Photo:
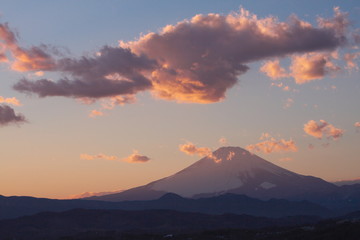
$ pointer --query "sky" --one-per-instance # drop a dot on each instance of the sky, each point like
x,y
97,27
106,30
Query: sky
x,y
107,95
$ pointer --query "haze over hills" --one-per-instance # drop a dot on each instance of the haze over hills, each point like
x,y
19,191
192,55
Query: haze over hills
x,y
235,171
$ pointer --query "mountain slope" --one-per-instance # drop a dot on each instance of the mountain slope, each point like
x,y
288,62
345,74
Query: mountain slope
x,y
236,171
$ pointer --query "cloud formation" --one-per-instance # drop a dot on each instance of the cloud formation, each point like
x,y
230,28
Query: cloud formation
x,y
271,145
135,157
14,101
191,149
24,59
357,125
112,72
273,69
8,116
195,60
322,128
95,113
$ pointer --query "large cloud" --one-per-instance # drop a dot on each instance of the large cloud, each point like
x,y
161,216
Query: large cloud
x,y
8,116
113,71
322,128
196,60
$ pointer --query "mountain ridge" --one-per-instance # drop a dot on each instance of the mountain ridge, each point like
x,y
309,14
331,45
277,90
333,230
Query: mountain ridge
x,y
235,171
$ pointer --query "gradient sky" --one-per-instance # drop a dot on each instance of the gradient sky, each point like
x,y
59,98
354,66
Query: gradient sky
x,y
61,150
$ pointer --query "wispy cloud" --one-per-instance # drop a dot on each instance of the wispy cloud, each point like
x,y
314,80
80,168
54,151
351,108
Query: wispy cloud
x,y
8,116
135,157
357,126
271,145
85,156
322,129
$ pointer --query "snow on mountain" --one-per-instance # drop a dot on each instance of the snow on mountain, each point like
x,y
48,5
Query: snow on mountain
x,y
234,171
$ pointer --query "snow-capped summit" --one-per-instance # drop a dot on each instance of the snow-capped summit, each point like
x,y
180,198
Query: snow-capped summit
x,y
229,170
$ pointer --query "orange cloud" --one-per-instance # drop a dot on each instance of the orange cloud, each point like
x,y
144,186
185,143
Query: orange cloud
x,y
191,149
14,101
135,157
273,69
323,128
357,125
32,59
95,113
311,66
272,145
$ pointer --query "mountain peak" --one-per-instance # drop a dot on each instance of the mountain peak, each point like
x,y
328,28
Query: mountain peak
x,y
232,170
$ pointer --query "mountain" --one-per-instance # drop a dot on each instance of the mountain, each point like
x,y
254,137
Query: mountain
x,y
95,223
12,207
347,182
235,171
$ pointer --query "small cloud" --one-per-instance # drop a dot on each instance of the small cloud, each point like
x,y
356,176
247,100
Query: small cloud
x,y
8,116
273,70
14,101
95,113
85,156
285,159
271,145
350,60
39,73
191,149
135,157
311,66
323,128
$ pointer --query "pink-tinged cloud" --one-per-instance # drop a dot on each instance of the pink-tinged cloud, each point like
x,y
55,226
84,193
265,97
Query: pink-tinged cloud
x,y
285,159
14,101
24,59
273,69
350,59
322,129
195,60
8,116
312,66
95,113
90,76
135,157
271,145
110,103
85,156
191,149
